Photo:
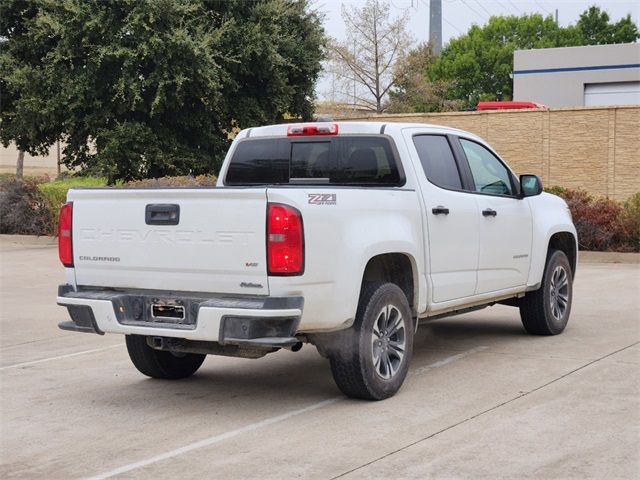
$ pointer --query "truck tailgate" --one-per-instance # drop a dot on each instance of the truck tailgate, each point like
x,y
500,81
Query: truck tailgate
x,y
218,244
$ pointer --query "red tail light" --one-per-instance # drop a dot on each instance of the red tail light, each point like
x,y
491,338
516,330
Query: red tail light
x,y
319,129
285,240
65,241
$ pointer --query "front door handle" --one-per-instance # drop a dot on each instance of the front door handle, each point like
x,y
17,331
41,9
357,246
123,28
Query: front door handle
x,y
489,212
440,210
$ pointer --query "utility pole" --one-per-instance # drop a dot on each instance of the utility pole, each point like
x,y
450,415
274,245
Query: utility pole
x,y
435,26
556,16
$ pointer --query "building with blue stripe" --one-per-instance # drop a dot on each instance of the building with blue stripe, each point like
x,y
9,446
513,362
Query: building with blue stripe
x,y
578,76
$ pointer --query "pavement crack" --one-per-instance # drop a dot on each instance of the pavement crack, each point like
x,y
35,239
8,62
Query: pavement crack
x,y
479,414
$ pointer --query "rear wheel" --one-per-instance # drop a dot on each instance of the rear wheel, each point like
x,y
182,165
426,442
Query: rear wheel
x,y
160,363
374,354
546,311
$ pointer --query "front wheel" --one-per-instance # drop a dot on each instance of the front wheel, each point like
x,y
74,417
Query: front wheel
x,y
546,311
160,363
373,357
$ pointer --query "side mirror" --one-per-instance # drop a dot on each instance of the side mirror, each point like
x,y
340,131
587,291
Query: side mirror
x,y
530,185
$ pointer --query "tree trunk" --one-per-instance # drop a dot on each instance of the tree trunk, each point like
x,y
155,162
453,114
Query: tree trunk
x,y
20,164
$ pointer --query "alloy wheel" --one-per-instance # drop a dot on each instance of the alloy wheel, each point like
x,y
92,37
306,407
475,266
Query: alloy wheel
x,y
559,292
388,342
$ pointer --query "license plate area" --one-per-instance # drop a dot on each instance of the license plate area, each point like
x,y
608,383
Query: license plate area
x,y
167,312
152,311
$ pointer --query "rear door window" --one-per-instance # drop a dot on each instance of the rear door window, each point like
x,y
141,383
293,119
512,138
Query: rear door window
x,y
345,160
437,161
259,163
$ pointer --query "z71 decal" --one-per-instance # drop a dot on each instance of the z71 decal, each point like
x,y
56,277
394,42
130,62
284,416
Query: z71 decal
x,y
322,198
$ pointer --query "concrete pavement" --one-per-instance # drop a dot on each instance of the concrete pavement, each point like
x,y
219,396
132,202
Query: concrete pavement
x,y
483,398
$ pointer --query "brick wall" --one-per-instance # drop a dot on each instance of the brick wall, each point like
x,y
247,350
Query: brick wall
x,y
594,148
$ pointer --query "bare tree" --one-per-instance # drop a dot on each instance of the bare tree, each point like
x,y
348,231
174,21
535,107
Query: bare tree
x,y
363,65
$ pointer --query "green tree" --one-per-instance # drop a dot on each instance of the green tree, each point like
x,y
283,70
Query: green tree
x,y
32,131
597,29
413,91
478,64
147,88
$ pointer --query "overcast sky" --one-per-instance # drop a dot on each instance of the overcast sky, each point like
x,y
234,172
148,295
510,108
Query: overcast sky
x,y
459,15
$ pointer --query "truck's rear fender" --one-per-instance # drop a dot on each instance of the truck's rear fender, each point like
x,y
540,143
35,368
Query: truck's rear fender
x,y
344,229
552,228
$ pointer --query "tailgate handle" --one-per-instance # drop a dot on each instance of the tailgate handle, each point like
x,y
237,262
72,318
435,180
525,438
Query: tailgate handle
x,y
162,214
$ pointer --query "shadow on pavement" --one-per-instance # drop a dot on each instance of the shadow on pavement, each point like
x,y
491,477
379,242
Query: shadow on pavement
x,y
304,376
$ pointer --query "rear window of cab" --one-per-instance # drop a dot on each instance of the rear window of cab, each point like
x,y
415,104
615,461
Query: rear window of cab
x,y
344,160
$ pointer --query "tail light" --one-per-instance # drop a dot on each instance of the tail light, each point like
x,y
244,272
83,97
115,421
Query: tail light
x,y
285,240
65,241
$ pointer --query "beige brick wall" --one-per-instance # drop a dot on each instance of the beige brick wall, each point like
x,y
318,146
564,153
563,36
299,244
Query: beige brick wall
x,y
594,148
626,152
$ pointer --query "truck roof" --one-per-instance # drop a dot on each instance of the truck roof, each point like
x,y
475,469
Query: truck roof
x,y
348,127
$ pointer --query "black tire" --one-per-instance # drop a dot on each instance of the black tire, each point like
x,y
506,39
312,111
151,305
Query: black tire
x,y
540,310
159,363
353,363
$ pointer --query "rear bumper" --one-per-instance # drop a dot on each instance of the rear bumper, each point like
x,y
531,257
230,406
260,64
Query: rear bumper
x,y
254,321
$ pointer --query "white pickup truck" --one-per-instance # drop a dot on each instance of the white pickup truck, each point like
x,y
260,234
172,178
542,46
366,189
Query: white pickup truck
x,y
344,235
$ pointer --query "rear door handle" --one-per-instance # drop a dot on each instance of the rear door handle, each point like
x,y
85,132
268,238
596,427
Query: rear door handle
x,y
440,210
489,212
162,214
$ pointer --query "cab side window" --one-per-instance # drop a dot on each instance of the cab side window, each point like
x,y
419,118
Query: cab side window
x,y
489,174
437,161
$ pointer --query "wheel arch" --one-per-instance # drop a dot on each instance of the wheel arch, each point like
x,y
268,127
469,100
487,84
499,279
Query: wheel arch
x,y
395,267
565,242
562,237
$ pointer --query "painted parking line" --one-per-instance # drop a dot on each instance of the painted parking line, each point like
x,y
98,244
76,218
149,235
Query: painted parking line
x,y
446,361
258,425
59,357
215,439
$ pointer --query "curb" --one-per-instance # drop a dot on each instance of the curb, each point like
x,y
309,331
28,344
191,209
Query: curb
x,y
608,257
27,240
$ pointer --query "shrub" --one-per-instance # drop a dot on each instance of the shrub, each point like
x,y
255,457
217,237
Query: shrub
x,y
22,208
31,206
631,222
602,224
54,194
556,190
167,182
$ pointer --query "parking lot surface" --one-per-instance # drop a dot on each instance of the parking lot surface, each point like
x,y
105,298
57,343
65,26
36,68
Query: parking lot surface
x,y
483,399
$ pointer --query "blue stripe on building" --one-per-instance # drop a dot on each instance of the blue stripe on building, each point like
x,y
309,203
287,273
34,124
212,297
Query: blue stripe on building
x,y
577,69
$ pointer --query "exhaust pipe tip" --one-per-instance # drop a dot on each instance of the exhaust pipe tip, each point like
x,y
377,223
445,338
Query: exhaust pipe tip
x,y
296,347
